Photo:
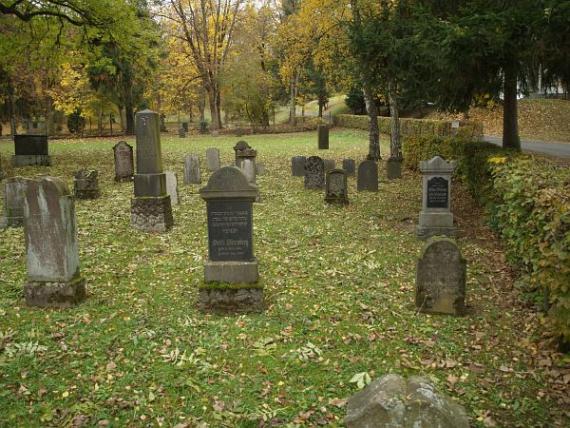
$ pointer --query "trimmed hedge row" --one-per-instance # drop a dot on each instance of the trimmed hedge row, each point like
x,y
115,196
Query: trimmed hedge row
x,y
414,127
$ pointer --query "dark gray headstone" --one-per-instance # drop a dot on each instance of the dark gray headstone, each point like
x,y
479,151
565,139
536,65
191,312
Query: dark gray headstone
x,y
314,173
330,164
14,197
124,161
31,150
394,168
323,133
336,187
213,159
298,166
367,176
86,184
192,174
349,165
185,126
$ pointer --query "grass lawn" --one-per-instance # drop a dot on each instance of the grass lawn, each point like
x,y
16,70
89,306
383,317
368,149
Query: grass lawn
x,y
339,286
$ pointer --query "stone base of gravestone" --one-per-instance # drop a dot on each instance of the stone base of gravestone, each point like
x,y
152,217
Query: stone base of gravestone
x,y
232,272
394,168
228,300
31,160
150,214
435,224
55,294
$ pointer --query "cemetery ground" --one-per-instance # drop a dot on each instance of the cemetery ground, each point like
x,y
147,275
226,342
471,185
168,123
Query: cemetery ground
x,y
339,284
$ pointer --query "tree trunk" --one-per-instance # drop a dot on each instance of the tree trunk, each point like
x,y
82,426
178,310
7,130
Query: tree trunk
x,y
214,101
293,101
395,141
130,117
320,108
511,138
373,131
202,106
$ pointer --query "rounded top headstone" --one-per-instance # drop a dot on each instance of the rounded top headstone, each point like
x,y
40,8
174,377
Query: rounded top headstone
x,y
228,183
437,165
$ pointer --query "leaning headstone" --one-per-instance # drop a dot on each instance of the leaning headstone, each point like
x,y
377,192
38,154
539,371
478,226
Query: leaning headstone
x,y
392,402
367,179
151,209
124,161
440,278
229,201
14,197
298,166
192,173
86,184
436,217
336,187
172,187
31,150
213,159
330,164
259,168
349,166
314,173
323,133
53,278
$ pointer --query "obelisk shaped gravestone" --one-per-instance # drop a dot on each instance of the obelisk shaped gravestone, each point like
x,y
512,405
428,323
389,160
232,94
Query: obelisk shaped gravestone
x,y
53,278
151,209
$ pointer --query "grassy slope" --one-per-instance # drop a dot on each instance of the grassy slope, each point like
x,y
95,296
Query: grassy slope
x,y
339,283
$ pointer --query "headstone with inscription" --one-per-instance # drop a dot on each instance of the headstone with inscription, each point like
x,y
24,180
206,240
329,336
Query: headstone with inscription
x,y
298,166
367,179
151,209
86,184
53,278
192,173
436,217
323,134
314,173
349,166
213,159
14,197
229,202
31,150
330,164
440,278
336,190
172,187
124,161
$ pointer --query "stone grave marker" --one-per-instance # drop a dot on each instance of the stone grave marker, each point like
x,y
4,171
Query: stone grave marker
x,y
182,132
151,209
260,168
185,126
86,184
394,168
14,197
245,160
440,278
124,161
367,179
229,202
336,189
213,159
349,165
330,164
298,166
192,174
436,217
323,134
53,278
31,150
314,173
172,187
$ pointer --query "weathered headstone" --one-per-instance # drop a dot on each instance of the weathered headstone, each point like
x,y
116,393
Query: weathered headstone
x,y
323,133
124,161
349,166
367,179
330,164
229,198
151,209
394,168
336,187
192,173
14,197
86,184
440,278
260,168
213,159
53,278
298,166
182,132
31,150
245,160
314,173
172,187
436,217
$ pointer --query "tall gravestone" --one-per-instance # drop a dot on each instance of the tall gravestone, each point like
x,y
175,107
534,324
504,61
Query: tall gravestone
x,y
212,159
436,217
298,166
323,134
245,160
31,150
349,166
172,187
124,161
86,184
336,189
151,209
367,179
229,201
192,173
14,197
314,173
440,278
53,277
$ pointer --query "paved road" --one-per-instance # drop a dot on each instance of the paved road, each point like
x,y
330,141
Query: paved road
x,y
556,149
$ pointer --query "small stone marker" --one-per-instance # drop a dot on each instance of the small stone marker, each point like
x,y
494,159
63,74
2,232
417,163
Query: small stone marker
x,y
260,168
323,133
172,187
394,168
440,278
367,179
330,164
229,199
182,132
53,278
151,209
86,184
436,217
349,166
192,173
124,161
298,166
213,159
314,173
14,197
336,187
31,150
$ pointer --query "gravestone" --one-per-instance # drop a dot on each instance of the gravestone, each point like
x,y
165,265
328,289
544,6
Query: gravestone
x,y
323,133
440,278
212,159
330,164
14,197
185,126
245,160
367,179
31,150
394,168
86,184
151,209
349,166
436,217
336,187
298,166
124,161
182,132
314,173
172,187
53,278
229,201
260,168
192,173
